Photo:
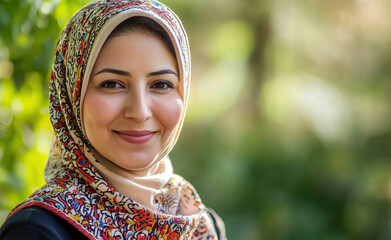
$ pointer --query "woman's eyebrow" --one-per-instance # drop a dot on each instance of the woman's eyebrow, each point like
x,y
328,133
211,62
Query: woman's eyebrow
x,y
161,72
115,71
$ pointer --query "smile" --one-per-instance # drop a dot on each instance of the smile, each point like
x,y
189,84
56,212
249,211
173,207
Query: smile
x,y
135,137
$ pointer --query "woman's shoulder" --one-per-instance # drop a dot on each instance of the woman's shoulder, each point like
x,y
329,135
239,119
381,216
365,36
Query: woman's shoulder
x,y
190,201
37,223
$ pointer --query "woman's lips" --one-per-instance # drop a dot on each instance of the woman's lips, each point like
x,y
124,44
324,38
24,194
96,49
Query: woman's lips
x,y
136,137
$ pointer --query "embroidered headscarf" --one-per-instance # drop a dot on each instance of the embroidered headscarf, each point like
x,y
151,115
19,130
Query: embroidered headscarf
x,y
100,199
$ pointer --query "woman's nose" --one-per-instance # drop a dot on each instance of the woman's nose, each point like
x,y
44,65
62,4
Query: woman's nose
x,y
137,106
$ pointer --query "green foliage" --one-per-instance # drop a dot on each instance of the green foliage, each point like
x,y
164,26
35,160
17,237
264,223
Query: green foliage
x,y
288,130
29,31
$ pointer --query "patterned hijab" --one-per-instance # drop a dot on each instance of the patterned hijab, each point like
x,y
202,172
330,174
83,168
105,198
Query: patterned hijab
x,y
97,197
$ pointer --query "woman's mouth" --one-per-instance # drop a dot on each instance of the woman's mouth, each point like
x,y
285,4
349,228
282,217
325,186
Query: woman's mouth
x,y
135,137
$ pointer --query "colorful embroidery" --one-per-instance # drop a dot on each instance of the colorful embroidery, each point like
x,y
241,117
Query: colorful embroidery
x,y
104,219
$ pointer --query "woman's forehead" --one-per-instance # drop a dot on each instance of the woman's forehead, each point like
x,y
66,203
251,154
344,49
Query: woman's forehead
x,y
132,52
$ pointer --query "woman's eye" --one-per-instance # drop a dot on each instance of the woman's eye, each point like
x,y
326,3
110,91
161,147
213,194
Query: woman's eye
x,y
110,84
162,85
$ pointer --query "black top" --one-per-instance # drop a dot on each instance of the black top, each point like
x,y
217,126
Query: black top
x,y
38,223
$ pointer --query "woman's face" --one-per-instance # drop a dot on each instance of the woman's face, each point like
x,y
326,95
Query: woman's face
x,y
132,102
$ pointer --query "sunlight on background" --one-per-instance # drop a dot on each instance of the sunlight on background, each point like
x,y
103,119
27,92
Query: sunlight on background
x,y
308,102
217,88
288,132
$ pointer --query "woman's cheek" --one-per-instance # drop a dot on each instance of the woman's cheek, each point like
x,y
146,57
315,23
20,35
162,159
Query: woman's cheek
x,y
169,112
100,111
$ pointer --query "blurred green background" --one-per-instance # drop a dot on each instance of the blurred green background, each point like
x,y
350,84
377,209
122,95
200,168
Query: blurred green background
x,y
288,131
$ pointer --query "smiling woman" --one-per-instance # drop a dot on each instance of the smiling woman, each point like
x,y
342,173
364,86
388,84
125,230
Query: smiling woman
x,y
135,84
118,96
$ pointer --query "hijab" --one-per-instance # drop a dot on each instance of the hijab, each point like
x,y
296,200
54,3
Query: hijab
x,y
100,199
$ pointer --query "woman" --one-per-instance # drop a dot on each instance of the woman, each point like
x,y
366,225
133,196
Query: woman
x,y
118,96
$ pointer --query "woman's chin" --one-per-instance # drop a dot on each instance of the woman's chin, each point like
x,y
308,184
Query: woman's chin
x,y
135,164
